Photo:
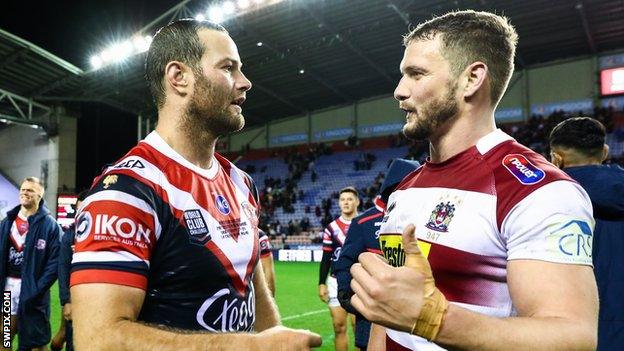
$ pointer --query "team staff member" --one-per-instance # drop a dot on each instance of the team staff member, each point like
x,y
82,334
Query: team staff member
x,y
577,146
29,245
166,246
333,238
502,234
363,235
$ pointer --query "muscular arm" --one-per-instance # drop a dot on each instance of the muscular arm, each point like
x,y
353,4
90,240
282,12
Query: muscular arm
x,y
269,272
104,317
557,305
557,310
267,315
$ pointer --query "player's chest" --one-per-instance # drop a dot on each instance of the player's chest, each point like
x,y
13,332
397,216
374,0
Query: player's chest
x,y
464,220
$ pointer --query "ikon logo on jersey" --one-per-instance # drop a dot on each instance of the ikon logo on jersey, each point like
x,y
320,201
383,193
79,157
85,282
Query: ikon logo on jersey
x,y
222,205
521,168
196,227
125,230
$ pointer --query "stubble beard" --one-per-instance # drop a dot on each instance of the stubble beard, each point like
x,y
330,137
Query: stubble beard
x,y
434,115
208,113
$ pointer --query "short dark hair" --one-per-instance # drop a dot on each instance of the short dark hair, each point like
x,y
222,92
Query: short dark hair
x,y
82,195
470,36
351,190
177,41
583,134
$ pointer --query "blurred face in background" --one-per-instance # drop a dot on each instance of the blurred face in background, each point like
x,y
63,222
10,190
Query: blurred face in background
x,y
30,194
348,203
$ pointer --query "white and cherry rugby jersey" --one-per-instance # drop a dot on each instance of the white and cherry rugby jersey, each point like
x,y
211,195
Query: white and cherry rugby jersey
x,y
187,236
494,202
334,237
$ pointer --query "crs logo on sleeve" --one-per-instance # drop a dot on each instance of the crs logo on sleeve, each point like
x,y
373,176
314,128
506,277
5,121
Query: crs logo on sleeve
x,y
572,241
521,168
84,222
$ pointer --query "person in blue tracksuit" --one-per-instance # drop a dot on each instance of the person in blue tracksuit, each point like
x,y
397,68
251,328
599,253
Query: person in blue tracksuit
x,y
578,147
362,236
64,269
29,245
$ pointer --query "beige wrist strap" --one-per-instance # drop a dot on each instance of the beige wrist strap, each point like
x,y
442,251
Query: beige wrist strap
x,y
431,315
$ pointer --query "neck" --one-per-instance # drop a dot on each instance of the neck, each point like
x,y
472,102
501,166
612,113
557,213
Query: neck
x,y
350,216
196,146
28,211
461,133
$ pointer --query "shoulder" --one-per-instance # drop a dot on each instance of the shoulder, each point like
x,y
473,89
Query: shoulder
x,y
518,172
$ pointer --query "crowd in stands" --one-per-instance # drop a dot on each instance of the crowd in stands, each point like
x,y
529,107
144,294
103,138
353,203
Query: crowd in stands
x,y
284,192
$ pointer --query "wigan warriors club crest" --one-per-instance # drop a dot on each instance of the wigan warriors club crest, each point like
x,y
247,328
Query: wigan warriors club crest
x,y
441,217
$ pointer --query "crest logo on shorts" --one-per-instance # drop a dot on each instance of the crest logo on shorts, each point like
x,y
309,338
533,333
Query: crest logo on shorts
x,y
222,205
441,217
196,227
83,226
521,168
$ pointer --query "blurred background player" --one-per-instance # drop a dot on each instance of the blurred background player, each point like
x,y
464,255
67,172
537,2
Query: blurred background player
x,y
29,245
363,236
64,335
333,238
578,147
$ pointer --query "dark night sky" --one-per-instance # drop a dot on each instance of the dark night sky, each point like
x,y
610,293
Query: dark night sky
x,y
73,30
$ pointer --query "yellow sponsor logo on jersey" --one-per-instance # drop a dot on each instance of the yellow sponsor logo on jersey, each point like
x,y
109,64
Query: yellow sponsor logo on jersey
x,y
392,247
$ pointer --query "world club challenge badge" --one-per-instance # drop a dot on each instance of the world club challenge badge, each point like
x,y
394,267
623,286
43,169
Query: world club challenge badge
x,y
196,227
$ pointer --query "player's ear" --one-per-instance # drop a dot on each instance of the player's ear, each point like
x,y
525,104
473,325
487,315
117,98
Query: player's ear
x,y
557,158
178,77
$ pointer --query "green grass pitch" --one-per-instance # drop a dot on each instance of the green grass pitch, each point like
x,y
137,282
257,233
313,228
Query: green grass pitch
x,y
297,299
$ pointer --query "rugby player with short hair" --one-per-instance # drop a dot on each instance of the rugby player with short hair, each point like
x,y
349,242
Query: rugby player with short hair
x,y
497,240
166,251
333,238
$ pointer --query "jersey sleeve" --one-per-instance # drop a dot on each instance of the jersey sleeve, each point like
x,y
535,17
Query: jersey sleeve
x,y
116,230
328,243
554,223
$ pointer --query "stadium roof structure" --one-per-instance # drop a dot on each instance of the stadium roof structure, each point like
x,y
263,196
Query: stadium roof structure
x,y
318,53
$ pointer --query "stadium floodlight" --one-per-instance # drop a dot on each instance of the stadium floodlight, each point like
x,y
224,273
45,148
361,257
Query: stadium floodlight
x,y
96,62
302,71
215,14
200,17
121,51
106,55
259,43
242,4
141,44
228,7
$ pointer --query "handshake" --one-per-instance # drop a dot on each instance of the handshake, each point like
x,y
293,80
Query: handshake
x,y
401,298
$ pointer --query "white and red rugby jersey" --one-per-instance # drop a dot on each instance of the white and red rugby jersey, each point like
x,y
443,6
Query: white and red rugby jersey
x,y
496,201
187,236
334,237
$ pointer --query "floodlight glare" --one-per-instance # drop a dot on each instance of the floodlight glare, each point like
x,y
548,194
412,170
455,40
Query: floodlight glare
x,y
242,4
301,71
140,44
215,14
96,62
200,17
259,43
258,1
106,55
228,7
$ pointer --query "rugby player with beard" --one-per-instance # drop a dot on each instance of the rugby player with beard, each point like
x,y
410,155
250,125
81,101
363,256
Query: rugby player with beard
x,y
166,253
497,239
